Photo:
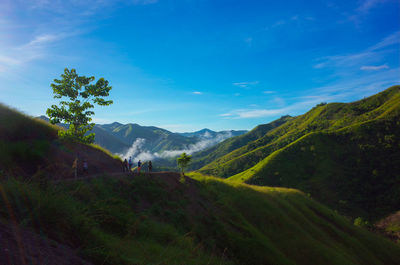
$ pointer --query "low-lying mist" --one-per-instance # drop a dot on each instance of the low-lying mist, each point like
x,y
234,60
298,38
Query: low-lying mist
x,y
138,149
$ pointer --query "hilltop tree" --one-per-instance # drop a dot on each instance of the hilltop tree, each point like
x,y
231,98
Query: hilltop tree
x,y
78,95
183,161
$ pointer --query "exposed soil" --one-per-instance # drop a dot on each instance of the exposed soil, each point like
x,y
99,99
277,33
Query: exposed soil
x,y
19,246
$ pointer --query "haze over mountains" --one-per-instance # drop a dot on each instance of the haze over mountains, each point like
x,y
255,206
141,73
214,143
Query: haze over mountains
x,y
150,142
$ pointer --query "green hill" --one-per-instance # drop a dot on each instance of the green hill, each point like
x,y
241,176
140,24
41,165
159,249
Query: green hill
x,y
209,155
159,220
30,147
345,155
332,116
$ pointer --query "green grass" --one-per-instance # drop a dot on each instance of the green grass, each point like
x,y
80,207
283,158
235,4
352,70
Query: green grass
x,y
353,170
207,221
25,142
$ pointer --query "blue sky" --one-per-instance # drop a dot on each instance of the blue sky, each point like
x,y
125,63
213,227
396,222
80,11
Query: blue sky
x,y
190,64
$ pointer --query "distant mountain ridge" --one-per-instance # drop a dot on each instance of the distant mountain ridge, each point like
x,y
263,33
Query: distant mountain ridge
x,y
207,133
118,138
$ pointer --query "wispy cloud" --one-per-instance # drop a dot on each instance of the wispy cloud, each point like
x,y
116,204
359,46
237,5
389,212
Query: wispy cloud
x,y
25,53
254,113
44,39
246,84
392,39
342,90
225,114
373,67
371,55
197,93
144,2
367,5
364,9
268,92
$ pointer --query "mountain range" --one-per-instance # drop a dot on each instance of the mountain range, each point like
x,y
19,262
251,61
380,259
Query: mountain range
x,y
119,138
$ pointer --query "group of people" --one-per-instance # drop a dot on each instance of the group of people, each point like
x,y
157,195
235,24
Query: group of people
x,y
127,165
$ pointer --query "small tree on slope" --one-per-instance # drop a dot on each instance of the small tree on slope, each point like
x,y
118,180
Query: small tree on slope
x,y
79,94
183,162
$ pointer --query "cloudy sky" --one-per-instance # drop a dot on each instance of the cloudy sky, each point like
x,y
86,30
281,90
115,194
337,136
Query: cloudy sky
x,y
189,64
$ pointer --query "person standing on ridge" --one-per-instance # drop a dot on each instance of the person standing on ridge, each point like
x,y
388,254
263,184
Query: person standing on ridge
x,y
125,166
139,164
85,167
150,166
130,164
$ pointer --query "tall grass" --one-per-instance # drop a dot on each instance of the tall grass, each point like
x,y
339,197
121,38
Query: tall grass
x,y
140,220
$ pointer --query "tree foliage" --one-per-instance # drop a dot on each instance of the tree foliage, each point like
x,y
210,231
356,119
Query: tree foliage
x,y
183,161
78,96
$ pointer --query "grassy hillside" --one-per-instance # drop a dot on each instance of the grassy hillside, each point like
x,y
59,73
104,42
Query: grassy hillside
x,y
30,147
323,117
355,169
164,220
345,155
209,155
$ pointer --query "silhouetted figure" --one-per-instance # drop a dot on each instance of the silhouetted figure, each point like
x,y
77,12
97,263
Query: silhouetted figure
x,y
139,165
150,166
125,166
130,163
85,167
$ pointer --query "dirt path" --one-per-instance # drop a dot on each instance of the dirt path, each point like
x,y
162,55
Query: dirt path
x,y
165,174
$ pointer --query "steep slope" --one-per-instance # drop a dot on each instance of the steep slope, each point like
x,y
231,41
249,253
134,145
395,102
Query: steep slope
x,y
162,219
323,117
30,146
209,155
355,170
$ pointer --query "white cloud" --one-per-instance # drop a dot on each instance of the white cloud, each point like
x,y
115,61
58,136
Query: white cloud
x,y
253,113
343,90
374,68
246,84
268,92
225,114
44,39
260,113
371,55
197,93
